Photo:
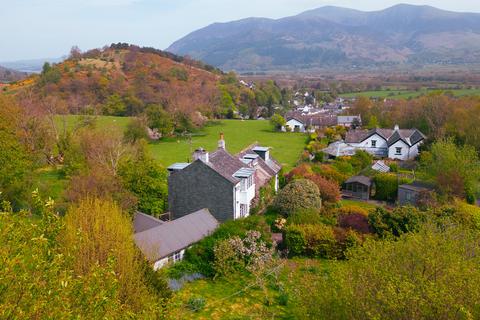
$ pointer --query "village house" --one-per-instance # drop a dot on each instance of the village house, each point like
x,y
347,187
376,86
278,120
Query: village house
x,y
225,184
349,121
309,123
165,242
401,144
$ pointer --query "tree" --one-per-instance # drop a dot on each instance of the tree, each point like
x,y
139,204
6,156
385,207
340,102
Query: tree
x,y
277,122
43,277
298,195
114,106
147,180
456,169
427,275
329,189
159,119
136,130
15,161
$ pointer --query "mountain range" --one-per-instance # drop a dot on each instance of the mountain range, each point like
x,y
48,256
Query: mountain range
x,y
334,37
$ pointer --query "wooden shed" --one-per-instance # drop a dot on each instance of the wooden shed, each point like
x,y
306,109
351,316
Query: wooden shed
x,y
358,187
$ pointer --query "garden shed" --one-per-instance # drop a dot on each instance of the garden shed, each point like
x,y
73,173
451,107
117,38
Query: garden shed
x,y
358,187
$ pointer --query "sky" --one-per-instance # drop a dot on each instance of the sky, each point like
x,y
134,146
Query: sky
x,y
33,29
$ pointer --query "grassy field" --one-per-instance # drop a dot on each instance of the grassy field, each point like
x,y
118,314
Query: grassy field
x,y
240,298
286,147
406,94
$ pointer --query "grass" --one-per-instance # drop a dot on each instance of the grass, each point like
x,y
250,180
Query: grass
x,y
51,182
238,297
407,94
286,147
357,203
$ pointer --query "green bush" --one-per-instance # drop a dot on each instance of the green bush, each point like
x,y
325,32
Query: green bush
x,y
298,195
305,216
196,304
395,222
313,240
386,187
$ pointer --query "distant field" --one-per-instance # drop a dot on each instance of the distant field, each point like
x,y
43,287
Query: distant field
x,y
406,94
286,147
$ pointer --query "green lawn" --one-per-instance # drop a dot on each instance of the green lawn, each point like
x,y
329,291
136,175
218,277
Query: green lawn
x,y
406,94
357,203
286,147
51,182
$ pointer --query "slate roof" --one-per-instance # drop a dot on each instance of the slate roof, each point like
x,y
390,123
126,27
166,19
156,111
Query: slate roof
x,y
347,119
225,164
169,237
319,120
360,179
409,136
418,186
142,222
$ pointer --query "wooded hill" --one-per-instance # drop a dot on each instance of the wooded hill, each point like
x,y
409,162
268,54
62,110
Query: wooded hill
x,y
123,80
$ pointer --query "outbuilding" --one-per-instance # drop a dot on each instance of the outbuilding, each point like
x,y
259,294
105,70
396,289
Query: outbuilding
x,y
358,187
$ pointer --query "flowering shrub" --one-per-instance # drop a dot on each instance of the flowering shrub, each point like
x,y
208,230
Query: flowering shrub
x,y
250,253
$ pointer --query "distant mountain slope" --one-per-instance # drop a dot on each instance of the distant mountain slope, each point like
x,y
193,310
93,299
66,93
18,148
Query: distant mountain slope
x,y
9,75
339,37
30,66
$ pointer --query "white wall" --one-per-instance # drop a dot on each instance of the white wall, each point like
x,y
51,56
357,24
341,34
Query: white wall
x,y
380,149
292,123
403,155
164,261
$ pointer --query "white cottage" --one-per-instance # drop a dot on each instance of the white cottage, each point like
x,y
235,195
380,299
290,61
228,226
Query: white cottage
x,y
401,144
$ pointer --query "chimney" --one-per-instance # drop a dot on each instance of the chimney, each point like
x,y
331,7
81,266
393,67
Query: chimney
x,y
396,127
221,142
201,154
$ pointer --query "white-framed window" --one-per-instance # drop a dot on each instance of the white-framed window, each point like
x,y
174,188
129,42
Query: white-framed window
x,y
374,143
177,256
398,150
243,210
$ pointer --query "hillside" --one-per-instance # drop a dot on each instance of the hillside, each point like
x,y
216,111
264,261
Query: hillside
x,y
333,37
122,80
9,75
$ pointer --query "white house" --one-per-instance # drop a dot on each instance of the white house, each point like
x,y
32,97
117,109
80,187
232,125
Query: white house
x,y
401,144
295,125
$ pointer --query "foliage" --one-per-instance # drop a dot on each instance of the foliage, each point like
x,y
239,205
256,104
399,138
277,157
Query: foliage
x,y
249,253
41,275
455,168
135,131
201,256
329,189
15,162
395,222
314,240
277,121
386,187
361,160
427,275
159,119
114,106
305,216
147,180
353,217
196,303
298,194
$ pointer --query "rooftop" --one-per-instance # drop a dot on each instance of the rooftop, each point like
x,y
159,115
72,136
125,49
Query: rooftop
x,y
169,237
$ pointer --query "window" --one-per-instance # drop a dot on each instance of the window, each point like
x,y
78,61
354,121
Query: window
x,y
177,256
243,210
398,150
374,143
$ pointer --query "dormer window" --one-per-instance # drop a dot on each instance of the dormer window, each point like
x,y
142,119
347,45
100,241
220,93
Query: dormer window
x,y
246,183
374,143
